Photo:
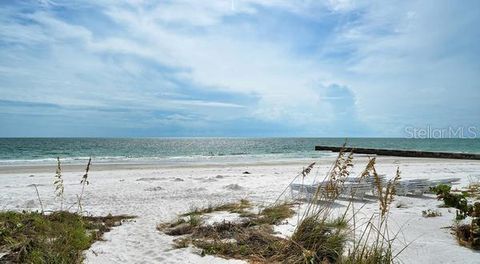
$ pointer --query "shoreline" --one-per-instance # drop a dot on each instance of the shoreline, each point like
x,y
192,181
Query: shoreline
x,y
103,166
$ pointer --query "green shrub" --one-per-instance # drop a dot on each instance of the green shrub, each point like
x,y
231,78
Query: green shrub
x,y
469,234
455,200
441,189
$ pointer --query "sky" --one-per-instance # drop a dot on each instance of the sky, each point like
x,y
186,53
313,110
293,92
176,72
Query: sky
x,y
241,68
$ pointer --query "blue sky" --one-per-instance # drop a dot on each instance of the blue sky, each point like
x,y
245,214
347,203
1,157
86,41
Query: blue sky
x,y
237,68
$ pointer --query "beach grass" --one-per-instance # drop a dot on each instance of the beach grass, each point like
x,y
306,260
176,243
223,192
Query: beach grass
x,y
318,236
238,207
59,237
275,214
253,237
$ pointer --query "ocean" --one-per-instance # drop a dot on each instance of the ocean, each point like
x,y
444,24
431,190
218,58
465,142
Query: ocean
x,y
175,150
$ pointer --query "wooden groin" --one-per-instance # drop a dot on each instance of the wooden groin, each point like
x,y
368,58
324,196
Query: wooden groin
x,y
403,153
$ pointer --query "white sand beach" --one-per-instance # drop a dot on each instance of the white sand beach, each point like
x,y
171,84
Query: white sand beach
x,y
157,194
197,116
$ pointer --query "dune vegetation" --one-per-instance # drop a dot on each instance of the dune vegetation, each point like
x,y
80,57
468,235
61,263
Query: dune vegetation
x,y
319,237
58,236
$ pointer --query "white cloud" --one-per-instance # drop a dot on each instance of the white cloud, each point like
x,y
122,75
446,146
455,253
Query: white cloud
x,y
396,58
222,59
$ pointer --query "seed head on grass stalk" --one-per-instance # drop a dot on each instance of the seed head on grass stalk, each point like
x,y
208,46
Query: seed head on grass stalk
x,y
58,183
368,169
385,197
332,184
317,236
303,173
338,173
307,170
375,243
84,182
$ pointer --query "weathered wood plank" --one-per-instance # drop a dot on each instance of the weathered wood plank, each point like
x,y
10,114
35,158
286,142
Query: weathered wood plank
x,y
403,153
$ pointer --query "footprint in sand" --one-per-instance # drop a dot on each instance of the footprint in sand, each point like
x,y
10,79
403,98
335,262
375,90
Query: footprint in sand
x,y
233,187
149,179
154,189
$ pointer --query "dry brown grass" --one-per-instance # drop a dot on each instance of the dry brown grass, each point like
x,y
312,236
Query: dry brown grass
x,y
253,239
384,193
334,180
317,237
240,208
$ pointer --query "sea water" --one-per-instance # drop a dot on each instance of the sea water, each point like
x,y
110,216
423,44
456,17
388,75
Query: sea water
x,y
119,150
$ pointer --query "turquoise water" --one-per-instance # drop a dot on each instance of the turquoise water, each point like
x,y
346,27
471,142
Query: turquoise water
x,y
38,150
